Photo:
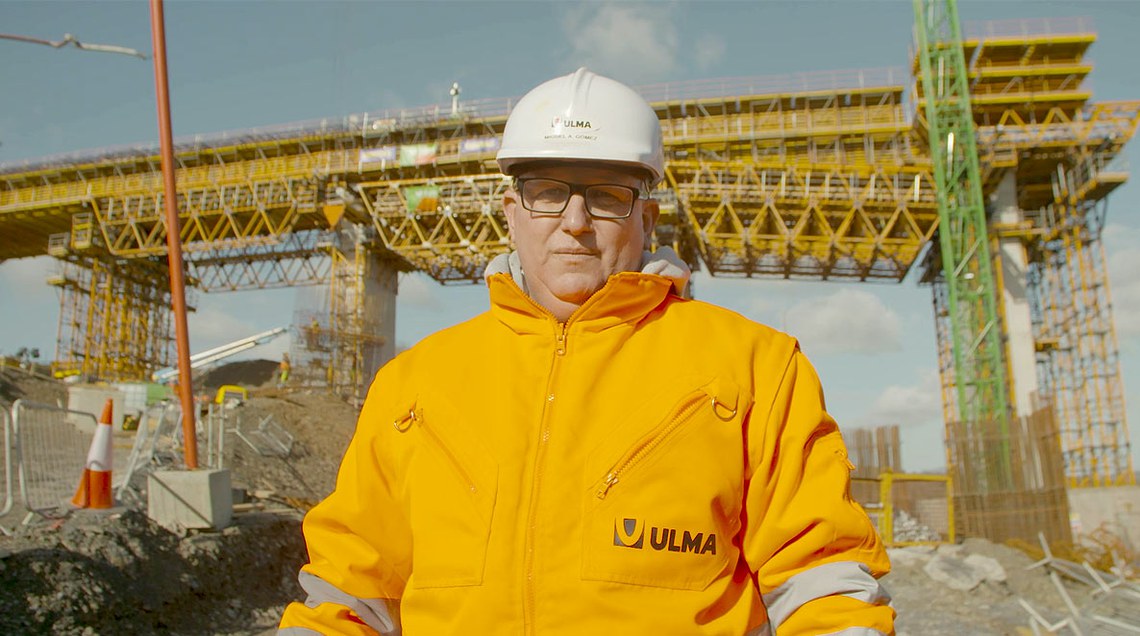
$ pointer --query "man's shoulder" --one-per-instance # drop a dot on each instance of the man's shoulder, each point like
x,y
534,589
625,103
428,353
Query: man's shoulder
x,y
698,314
446,341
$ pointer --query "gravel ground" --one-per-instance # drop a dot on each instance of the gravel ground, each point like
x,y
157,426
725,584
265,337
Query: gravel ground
x,y
91,574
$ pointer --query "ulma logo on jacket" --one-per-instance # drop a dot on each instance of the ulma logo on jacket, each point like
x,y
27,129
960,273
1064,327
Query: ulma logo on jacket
x,y
630,533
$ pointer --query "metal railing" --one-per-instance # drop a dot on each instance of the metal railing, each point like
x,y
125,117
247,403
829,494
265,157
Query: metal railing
x,y
1024,27
380,121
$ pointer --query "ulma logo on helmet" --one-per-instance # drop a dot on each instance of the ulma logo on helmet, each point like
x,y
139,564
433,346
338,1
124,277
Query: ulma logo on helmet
x,y
571,129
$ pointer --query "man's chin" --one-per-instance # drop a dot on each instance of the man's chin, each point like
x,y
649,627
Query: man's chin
x,y
576,291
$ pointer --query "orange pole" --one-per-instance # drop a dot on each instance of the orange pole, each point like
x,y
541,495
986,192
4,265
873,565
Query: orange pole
x,y
173,234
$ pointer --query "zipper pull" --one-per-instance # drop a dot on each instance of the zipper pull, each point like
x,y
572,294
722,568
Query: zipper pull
x,y
561,339
608,483
402,424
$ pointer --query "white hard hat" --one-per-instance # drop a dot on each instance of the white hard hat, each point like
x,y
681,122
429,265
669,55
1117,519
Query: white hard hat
x,y
583,117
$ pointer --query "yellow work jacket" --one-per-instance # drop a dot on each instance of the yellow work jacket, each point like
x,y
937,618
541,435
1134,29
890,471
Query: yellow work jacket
x,y
653,465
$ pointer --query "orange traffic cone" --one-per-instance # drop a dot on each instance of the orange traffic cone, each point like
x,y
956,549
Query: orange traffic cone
x,y
95,487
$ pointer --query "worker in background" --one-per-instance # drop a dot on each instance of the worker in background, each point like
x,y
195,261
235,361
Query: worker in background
x,y
596,454
283,370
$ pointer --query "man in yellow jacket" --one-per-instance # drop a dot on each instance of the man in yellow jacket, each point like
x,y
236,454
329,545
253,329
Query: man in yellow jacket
x,y
596,454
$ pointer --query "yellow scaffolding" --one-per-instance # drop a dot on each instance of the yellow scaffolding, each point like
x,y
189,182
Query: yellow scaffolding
x,y
115,319
1078,354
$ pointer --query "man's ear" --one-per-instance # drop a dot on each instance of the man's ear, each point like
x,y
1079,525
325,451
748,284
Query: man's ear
x,y
649,213
510,209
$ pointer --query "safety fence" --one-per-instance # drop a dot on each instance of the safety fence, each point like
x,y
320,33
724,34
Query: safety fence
x,y
159,441
157,444
48,447
6,455
45,448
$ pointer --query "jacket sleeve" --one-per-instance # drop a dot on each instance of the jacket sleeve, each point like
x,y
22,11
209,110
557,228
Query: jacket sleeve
x,y
814,553
358,541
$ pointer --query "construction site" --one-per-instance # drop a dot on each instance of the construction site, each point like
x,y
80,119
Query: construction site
x,y
984,166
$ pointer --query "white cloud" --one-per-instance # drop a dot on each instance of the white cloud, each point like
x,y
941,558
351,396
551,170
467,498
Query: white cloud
x,y
908,406
212,326
26,275
29,308
709,50
419,291
917,410
632,42
847,321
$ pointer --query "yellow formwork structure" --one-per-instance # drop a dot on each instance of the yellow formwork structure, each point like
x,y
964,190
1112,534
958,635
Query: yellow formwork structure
x,y
824,184
820,176
450,231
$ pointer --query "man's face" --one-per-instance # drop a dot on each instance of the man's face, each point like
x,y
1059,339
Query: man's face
x,y
567,258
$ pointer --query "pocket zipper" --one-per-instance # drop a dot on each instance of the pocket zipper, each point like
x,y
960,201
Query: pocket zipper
x,y
416,417
652,441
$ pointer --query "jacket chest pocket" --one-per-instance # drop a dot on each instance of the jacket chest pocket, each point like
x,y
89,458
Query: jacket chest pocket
x,y
450,492
663,511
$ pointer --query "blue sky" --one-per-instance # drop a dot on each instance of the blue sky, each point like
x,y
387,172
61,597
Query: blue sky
x,y
237,65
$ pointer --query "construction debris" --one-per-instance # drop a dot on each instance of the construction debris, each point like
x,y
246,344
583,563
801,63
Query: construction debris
x,y
907,529
1105,603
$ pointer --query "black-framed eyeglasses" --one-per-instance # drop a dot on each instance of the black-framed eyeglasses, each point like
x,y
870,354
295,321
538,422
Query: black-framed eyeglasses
x,y
541,195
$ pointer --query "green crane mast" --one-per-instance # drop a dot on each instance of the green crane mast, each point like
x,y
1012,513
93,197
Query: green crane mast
x,y
967,269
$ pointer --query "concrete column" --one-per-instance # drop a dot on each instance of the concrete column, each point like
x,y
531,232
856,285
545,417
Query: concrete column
x,y
1015,299
378,308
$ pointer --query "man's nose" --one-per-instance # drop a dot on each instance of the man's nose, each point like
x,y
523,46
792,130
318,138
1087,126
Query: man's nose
x,y
575,218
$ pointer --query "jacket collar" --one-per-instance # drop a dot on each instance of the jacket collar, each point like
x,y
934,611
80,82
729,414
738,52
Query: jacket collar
x,y
626,297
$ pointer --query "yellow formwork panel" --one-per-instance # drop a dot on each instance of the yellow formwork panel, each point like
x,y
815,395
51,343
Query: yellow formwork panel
x,y
815,221
449,227
218,203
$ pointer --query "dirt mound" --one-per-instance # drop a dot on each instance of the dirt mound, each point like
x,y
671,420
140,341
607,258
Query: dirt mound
x,y
246,373
320,426
18,384
121,574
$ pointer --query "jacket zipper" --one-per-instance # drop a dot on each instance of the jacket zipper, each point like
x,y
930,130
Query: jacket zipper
x,y
415,417
648,444
529,593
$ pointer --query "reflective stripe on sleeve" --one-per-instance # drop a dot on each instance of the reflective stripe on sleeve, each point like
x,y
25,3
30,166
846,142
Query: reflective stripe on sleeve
x,y
373,611
843,578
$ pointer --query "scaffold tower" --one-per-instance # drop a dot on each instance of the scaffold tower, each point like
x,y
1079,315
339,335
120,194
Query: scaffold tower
x,y
967,269
1078,354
